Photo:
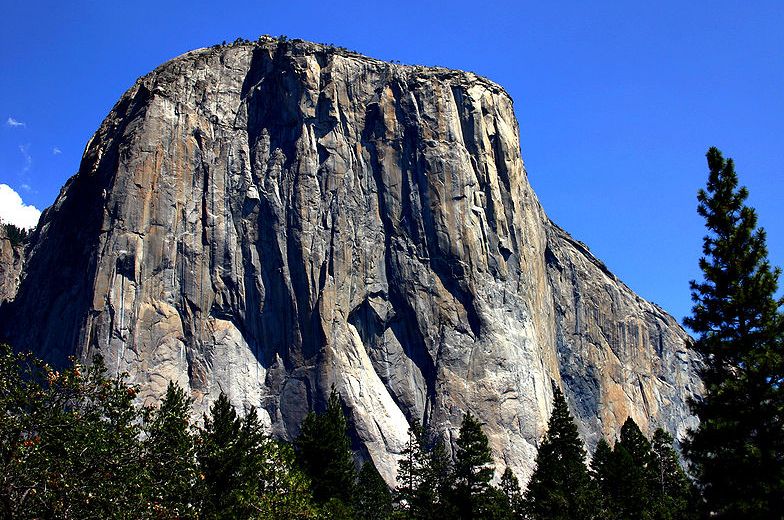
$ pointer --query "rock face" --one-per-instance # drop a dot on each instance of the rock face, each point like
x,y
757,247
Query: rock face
x,y
272,219
11,265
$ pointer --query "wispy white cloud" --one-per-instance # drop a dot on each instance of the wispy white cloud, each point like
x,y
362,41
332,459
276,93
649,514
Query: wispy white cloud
x,y
14,122
14,211
25,149
56,151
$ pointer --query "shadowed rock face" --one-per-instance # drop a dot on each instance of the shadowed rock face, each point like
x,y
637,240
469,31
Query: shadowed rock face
x,y
269,220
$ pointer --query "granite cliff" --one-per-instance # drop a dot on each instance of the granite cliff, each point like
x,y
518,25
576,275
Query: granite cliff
x,y
270,219
11,265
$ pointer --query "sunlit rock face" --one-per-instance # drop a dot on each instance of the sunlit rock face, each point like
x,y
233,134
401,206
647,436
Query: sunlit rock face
x,y
272,219
11,265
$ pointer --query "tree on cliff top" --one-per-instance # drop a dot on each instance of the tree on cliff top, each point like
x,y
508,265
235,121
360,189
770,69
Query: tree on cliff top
x,y
737,451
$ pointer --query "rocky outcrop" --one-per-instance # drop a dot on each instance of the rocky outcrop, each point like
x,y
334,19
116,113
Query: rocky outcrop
x,y
272,219
11,265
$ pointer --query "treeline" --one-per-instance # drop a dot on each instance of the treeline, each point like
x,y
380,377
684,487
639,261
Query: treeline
x,y
74,444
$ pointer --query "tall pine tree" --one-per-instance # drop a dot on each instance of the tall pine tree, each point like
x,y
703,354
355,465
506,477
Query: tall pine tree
x,y
513,496
372,499
603,474
473,470
411,471
324,451
672,491
560,487
737,452
425,478
230,453
170,456
283,489
633,463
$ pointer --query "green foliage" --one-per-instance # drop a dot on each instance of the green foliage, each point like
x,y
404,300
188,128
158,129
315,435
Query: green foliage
x,y
560,487
640,479
74,444
324,451
411,471
372,499
737,452
633,462
70,445
170,458
473,470
15,235
602,471
230,452
673,494
426,479
513,505
439,480
284,490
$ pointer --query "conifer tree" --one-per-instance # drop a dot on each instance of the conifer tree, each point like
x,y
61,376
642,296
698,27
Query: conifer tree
x,y
632,461
229,453
672,492
411,470
324,451
737,451
510,487
218,457
440,480
425,477
372,499
284,490
605,481
169,454
560,487
473,470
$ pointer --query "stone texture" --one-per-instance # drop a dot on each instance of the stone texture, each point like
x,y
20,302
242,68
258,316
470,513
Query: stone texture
x,y
272,219
11,266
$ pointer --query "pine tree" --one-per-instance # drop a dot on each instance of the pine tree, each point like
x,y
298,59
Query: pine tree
x,y
737,451
440,482
510,487
632,461
672,492
604,478
324,451
560,487
283,489
372,499
425,477
411,471
169,454
230,456
473,470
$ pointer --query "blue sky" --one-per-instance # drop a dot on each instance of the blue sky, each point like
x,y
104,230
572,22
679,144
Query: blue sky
x,y
617,101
